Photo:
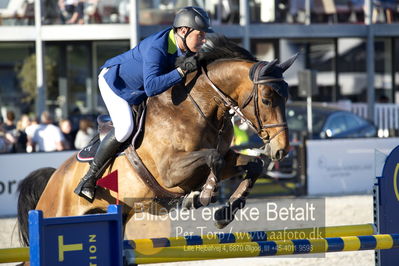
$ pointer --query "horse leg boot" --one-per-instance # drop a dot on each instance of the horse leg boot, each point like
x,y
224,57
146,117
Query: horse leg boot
x,y
208,193
106,151
225,215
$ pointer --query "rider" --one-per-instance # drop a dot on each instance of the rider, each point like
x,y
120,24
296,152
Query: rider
x,y
144,71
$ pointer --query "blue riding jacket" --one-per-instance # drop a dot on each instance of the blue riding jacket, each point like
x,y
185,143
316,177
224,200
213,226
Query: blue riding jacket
x,y
146,70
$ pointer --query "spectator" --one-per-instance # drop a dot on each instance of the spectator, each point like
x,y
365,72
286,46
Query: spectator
x,y
92,12
30,131
71,11
297,11
68,133
357,8
47,136
50,12
85,134
4,143
10,131
9,123
386,7
20,137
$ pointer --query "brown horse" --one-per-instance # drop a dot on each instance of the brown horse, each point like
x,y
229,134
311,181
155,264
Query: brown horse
x,y
185,145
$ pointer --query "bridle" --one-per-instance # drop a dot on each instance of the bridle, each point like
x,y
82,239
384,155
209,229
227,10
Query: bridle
x,y
233,105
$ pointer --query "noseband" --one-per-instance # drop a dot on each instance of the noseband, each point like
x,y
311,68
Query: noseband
x,y
231,104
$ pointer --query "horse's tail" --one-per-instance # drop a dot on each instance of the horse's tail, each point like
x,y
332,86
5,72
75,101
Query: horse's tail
x,y
30,190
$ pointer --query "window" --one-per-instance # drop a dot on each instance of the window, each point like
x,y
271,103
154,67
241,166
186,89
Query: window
x,y
352,68
352,122
317,55
383,69
12,56
336,124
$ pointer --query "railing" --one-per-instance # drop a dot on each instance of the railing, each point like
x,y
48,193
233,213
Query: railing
x,y
153,12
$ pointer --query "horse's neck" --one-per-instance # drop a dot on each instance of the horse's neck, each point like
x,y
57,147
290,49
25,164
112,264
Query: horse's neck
x,y
197,97
229,76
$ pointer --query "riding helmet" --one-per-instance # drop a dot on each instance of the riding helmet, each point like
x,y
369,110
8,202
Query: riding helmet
x,y
193,17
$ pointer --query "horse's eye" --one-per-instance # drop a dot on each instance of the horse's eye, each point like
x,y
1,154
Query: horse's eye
x,y
267,102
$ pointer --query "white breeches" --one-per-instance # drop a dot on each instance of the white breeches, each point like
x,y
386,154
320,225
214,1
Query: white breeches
x,y
118,109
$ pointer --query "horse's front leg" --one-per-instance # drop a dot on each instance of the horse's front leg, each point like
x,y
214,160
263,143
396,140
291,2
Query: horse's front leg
x,y
250,168
179,170
208,193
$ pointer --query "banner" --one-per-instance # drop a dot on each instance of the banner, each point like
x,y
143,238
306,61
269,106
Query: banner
x,y
15,167
345,166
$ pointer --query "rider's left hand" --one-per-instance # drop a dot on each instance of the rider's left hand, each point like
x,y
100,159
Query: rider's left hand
x,y
187,63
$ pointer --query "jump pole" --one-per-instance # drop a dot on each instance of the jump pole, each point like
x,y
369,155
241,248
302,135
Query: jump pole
x,y
254,236
14,255
260,249
22,254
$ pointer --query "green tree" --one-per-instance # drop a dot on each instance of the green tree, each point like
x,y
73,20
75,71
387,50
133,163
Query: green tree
x,y
27,76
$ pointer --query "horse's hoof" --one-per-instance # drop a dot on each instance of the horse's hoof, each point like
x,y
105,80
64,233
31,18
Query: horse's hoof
x,y
223,216
214,198
222,224
191,200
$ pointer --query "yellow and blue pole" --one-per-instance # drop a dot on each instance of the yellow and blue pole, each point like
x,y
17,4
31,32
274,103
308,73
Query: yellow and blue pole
x,y
271,235
145,254
14,254
261,248
22,254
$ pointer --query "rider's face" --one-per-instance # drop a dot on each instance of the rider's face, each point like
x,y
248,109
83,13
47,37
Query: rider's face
x,y
194,40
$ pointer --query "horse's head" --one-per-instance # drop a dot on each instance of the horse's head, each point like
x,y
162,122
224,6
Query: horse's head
x,y
259,98
264,105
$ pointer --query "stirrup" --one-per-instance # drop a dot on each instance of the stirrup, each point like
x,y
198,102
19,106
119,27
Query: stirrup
x,y
85,192
88,194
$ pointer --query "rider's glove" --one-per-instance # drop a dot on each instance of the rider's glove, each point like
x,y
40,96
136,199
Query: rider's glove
x,y
187,63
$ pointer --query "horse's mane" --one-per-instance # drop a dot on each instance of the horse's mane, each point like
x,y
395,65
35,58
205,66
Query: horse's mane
x,y
220,47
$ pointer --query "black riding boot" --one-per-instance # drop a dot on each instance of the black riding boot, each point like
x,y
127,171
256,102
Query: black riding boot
x,y
108,148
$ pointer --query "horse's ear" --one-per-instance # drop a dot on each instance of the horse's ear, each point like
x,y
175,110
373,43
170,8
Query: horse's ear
x,y
285,65
268,66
